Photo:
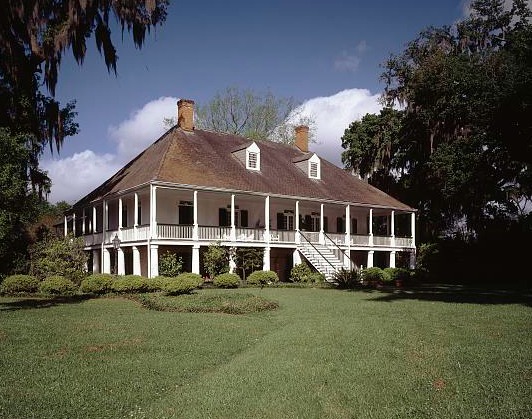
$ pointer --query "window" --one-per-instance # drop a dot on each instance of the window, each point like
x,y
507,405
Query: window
x,y
253,157
186,213
224,217
313,172
139,214
124,216
285,220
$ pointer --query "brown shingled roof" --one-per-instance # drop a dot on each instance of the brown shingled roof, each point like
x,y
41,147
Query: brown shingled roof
x,y
204,159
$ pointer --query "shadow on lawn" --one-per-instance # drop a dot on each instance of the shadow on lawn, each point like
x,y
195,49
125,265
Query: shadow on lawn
x,y
456,294
41,302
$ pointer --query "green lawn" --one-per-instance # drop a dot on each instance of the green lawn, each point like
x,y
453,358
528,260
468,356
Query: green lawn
x,y
321,354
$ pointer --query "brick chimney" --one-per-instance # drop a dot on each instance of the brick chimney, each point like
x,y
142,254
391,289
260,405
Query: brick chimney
x,y
185,114
302,138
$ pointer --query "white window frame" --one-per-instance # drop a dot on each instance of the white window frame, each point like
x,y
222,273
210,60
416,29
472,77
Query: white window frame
x,y
253,149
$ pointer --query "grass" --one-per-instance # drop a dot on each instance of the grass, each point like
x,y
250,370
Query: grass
x,y
321,354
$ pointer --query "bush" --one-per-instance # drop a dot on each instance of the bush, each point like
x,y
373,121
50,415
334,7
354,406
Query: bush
x,y
183,284
388,274
170,264
15,284
97,284
262,278
373,274
129,284
227,280
300,273
347,278
216,260
58,285
195,279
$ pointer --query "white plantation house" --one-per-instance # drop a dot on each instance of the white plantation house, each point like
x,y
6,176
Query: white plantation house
x,y
191,188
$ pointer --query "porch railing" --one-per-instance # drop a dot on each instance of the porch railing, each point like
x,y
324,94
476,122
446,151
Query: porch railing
x,y
174,231
283,236
359,240
382,241
214,233
249,234
337,238
403,241
312,236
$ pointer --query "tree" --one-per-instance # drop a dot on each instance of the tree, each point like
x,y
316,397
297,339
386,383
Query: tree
x,y
170,264
216,259
34,34
460,149
258,116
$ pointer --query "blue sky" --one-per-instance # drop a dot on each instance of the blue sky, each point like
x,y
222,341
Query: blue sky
x,y
324,54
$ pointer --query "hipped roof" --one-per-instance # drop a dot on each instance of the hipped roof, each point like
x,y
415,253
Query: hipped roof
x,y
205,159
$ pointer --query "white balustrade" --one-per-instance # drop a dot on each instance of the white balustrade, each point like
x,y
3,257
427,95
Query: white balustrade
x,y
359,240
174,231
403,241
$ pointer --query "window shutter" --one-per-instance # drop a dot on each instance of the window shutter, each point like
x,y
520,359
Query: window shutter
x,y
222,217
243,218
354,228
325,224
308,222
302,225
280,221
340,225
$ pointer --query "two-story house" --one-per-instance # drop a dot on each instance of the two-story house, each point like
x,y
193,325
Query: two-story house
x,y
192,187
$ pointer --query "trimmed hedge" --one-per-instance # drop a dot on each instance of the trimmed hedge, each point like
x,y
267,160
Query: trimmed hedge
x,y
58,285
177,285
129,284
262,278
16,284
227,280
195,279
97,284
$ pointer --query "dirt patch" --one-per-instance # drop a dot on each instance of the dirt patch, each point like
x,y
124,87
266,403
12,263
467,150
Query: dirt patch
x,y
438,384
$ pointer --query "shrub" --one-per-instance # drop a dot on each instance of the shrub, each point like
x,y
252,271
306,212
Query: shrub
x,y
347,278
129,284
300,273
157,283
170,264
97,284
195,279
216,260
372,274
227,280
58,285
316,278
388,274
262,278
182,284
15,284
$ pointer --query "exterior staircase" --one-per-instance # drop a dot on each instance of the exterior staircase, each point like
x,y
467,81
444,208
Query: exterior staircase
x,y
322,258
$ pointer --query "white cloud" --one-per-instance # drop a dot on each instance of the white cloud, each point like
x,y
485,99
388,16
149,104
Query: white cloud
x,y
333,114
75,176
349,61
142,127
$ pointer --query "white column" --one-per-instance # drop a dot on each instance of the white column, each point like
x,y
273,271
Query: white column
x,y
392,226
195,228
347,225
266,259
136,261
153,211
370,228
105,217
74,224
233,228
121,266
120,220
136,210
413,228
154,261
106,261
296,221
94,222
370,259
322,235
412,259
267,219
392,259
296,257
96,261
83,224
196,259
66,226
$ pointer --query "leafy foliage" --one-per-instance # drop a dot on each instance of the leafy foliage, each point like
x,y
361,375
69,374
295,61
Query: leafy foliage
x,y
129,284
301,273
216,259
195,279
97,284
59,256
170,264
347,278
248,259
58,285
373,274
183,284
262,278
227,280
16,284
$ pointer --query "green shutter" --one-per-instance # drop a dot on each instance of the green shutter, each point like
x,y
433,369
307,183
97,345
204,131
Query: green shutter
x,y
280,221
222,217
243,218
339,225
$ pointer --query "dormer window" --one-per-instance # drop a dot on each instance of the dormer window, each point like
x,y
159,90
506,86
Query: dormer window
x,y
314,169
253,157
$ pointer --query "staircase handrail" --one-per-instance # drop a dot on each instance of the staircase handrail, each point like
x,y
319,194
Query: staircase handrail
x,y
339,248
323,257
